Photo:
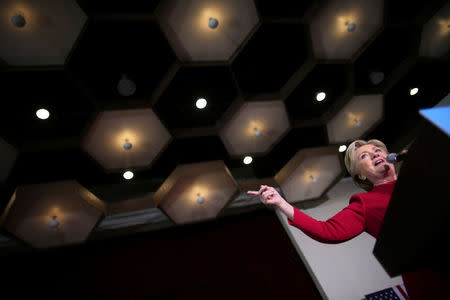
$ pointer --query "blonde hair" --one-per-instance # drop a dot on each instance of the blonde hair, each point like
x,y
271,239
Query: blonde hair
x,y
350,161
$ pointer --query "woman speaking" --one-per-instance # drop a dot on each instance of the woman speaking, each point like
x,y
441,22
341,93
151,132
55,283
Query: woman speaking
x,y
367,165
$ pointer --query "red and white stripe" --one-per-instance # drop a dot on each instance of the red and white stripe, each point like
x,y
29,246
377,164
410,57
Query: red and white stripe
x,y
401,291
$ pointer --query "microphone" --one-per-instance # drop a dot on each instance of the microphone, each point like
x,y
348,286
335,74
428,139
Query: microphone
x,y
395,158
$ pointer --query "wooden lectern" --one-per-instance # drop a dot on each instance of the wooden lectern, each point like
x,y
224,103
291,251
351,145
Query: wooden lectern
x,y
416,228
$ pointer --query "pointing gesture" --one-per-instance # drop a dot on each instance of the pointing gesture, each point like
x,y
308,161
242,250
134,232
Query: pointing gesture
x,y
267,195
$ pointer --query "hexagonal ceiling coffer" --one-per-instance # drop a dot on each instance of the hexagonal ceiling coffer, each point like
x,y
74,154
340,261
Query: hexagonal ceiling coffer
x,y
309,173
8,155
124,139
50,30
52,214
207,30
357,117
196,192
255,128
341,27
435,39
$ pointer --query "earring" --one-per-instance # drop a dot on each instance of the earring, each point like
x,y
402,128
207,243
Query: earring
x,y
362,177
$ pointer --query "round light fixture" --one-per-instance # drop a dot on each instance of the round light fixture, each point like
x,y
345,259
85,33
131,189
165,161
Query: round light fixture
x,y
342,148
320,96
213,23
53,223
201,103
313,179
248,160
413,91
376,77
201,200
126,87
351,27
127,145
257,132
42,114
128,175
18,20
358,123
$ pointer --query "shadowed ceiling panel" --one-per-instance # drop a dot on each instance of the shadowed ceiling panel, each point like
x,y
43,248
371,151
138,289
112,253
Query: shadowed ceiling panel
x,y
28,91
177,105
8,155
270,57
94,7
187,150
59,164
285,8
295,139
389,50
402,110
332,79
111,48
416,12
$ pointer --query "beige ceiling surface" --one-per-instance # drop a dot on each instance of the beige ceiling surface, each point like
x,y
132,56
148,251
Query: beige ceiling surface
x,y
48,36
185,24
32,207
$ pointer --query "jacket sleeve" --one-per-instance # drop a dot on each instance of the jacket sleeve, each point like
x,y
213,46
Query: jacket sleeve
x,y
343,226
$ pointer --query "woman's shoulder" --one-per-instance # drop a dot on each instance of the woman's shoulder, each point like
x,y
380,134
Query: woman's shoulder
x,y
370,195
359,197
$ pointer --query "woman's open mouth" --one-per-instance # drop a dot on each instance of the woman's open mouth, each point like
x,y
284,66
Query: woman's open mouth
x,y
379,161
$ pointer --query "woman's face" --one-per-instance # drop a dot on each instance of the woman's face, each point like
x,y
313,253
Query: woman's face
x,y
371,162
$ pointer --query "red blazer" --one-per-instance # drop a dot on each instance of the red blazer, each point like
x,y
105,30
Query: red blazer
x,y
365,213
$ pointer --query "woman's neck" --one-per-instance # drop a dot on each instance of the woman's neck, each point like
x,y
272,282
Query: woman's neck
x,y
385,180
385,177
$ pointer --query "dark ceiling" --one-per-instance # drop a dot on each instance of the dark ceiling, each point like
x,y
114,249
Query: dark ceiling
x,y
275,61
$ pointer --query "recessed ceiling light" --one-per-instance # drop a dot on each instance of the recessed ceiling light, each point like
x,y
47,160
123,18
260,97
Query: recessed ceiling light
x,y
42,114
342,148
248,160
413,91
127,145
351,27
313,179
213,23
128,175
200,200
320,96
18,20
376,77
257,132
201,103
126,87
53,223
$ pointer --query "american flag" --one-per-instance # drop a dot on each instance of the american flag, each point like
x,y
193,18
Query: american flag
x,y
397,292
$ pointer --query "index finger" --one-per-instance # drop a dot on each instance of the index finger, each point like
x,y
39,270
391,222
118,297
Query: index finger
x,y
253,192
